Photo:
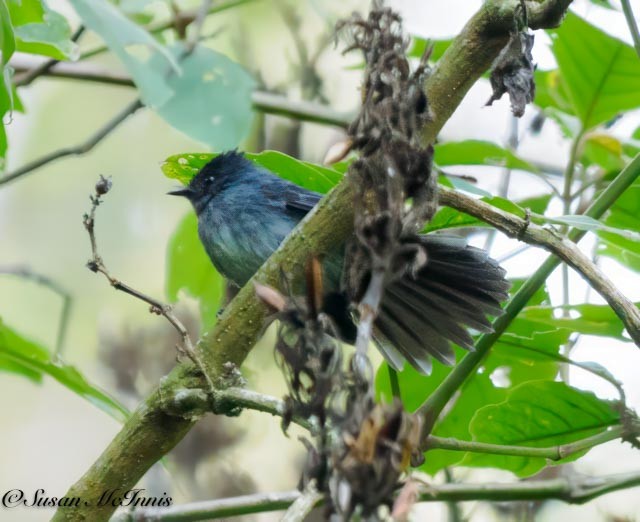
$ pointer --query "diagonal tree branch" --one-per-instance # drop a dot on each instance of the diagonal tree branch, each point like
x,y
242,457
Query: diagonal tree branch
x,y
154,429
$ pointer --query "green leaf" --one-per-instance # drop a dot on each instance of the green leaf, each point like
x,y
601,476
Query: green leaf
x,y
587,319
582,222
522,351
51,38
476,394
26,12
478,152
211,100
538,414
623,215
190,269
550,91
19,355
603,150
185,166
7,48
418,46
130,42
600,74
7,38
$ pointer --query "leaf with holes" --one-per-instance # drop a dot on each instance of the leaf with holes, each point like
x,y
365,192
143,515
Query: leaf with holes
x,y
211,97
130,43
308,175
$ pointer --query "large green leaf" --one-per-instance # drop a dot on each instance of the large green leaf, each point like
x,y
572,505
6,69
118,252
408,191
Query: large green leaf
x,y
51,37
623,215
19,355
7,48
211,100
7,38
126,40
185,166
26,11
599,73
189,269
478,152
526,351
587,319
538,414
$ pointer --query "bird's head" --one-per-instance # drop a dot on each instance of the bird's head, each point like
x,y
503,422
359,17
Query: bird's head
x,y
214,177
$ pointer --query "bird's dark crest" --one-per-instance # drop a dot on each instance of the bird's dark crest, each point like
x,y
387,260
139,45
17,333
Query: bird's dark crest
x,y
223,167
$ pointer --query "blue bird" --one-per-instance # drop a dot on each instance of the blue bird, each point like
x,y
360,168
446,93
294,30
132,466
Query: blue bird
x,y
244,213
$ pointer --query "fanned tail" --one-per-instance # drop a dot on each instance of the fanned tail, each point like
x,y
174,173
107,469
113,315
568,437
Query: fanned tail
x,y
419,317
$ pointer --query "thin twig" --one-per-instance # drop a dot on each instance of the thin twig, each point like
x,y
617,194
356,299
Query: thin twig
x,y
197,24
577,489
96,265
77,150
26,273
633,25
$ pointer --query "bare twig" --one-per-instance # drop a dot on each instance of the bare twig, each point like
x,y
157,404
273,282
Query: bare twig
x,y
96,264
577,489
633,25
26,273
77,150
198,23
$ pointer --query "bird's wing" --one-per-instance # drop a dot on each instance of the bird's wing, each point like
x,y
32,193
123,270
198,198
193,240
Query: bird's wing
x,y
297,198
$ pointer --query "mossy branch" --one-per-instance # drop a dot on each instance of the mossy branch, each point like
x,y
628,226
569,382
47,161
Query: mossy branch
x,y
153,429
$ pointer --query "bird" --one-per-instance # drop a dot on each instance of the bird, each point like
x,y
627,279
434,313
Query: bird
x,y
245,211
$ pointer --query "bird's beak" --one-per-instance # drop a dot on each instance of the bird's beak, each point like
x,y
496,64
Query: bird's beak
x,y
185,192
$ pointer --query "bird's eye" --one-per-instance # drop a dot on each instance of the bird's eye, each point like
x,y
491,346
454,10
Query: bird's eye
x,y
210,180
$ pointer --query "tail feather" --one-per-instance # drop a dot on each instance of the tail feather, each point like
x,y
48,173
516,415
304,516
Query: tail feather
x,y
436,319
422,331
457,288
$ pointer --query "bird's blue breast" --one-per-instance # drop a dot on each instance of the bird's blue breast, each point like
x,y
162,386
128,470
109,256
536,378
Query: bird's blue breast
x,y
241,230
